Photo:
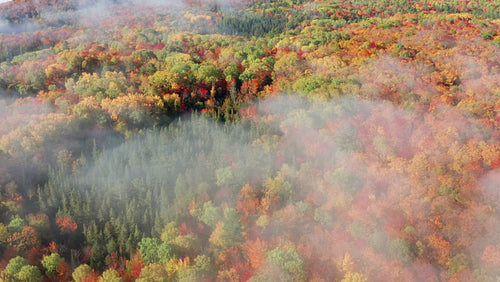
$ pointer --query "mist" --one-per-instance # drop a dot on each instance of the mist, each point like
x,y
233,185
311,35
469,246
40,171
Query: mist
x,y
122,148
346,179
95,14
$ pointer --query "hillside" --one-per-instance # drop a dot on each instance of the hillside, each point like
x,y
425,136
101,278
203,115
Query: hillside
x,y
200,140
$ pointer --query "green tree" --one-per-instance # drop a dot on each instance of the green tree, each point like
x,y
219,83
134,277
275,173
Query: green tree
x,y
289,261
166,252
185,244
81,272
29,273
310,84
227,233
143,55
161,82
203,263
210,214
87,85
225,176
50,263
169,232
231,234
209,74
16,225
248,74
188,273
148,247
231,72
111,275
110,85
98,254
15,265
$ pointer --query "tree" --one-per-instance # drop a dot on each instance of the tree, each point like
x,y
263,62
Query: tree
x,y
15,265
40,222
217,237
89,109
203,263
153,250
169,232
16,225
228,275
63,271
26,239
110,85
188,273
134,111
231,72
232,227
34,256
354,277
186,245
51,263
4,234
66,224
491,256
87,85
289,261
30,273
153,272
32,77
133,268
247,75
166,252
457,264
402,250
81,272
209,74
148,247
164,81
210,214
248,204
111,275
277,190
92,276
288,65
441,248
256,251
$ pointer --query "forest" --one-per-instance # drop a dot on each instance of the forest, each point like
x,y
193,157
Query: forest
x,y
250,140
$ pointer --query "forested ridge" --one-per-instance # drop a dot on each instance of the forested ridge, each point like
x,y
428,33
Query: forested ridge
x,y
233,140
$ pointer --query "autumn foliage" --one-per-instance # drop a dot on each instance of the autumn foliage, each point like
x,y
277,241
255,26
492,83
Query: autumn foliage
x,y
249,140
66,225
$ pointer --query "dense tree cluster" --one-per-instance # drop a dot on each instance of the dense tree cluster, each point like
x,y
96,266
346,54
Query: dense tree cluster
x,y
250,140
